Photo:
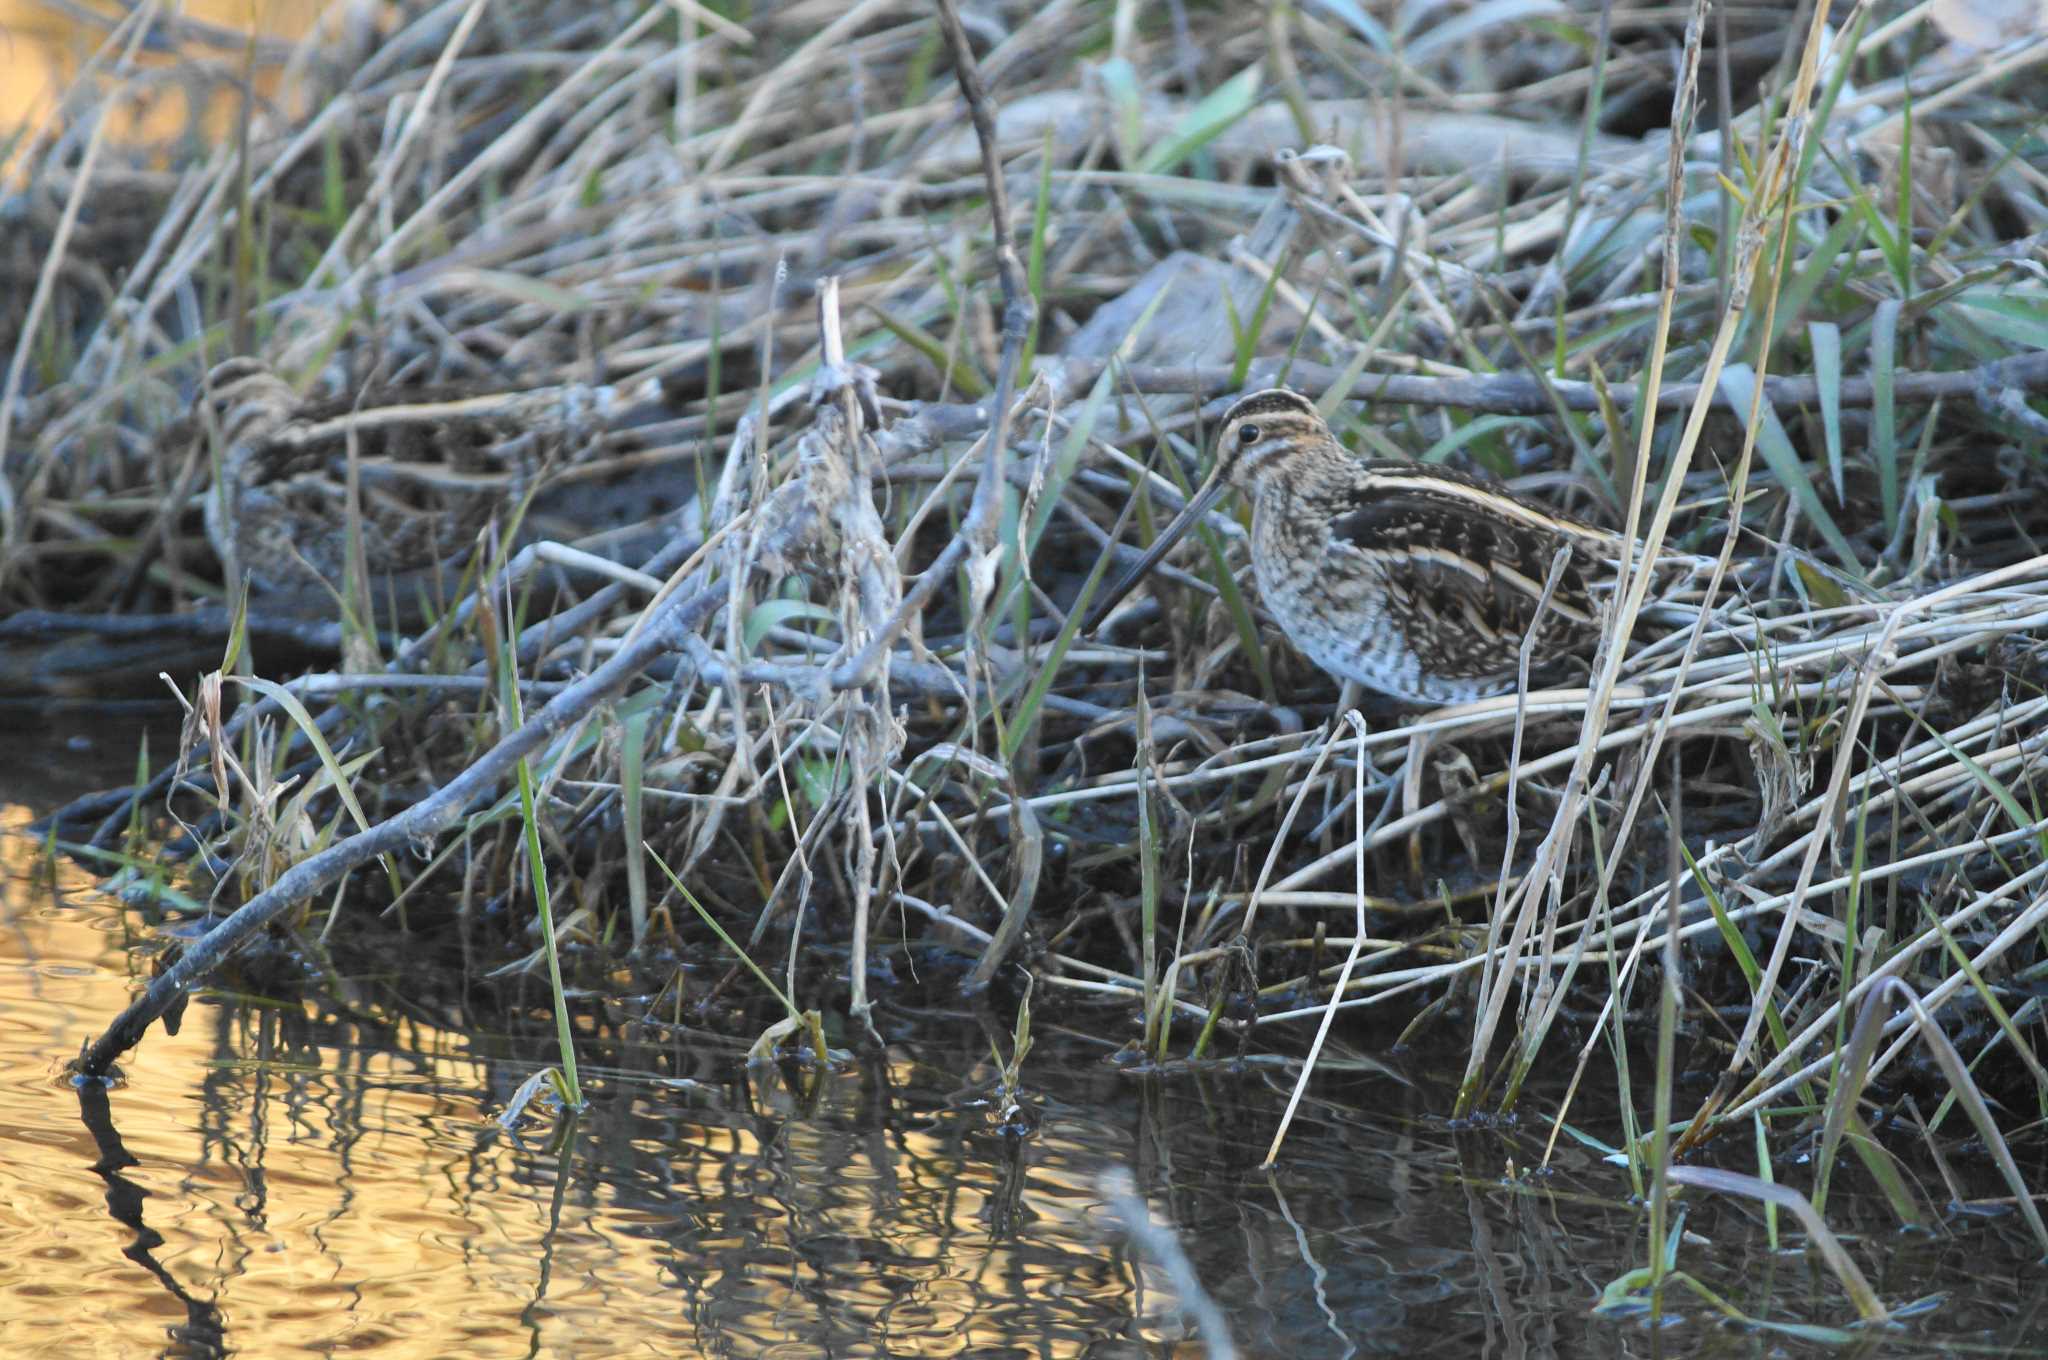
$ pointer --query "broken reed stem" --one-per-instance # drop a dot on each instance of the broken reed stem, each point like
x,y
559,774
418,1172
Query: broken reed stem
x,y
978,532
869,589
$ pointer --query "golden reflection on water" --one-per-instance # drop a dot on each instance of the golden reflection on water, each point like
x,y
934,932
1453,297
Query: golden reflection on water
x,y
277,1181
43,48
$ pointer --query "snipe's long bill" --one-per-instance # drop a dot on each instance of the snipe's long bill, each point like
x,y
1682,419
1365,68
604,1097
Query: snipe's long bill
x,y
1416,581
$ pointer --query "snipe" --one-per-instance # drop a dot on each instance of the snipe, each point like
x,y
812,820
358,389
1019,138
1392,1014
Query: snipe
x,y
430,474
1413,580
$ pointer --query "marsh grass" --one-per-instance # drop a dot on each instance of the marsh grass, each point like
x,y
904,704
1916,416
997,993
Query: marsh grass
x,y
1800,341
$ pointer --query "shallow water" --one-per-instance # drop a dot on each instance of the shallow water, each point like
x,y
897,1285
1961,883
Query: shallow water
x,y
274,1180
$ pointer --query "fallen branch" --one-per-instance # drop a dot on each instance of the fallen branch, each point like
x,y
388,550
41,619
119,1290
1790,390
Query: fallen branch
x,y
423,820
1528,394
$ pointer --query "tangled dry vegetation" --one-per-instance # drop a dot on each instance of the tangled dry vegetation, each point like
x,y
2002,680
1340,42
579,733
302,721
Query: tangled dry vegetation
x,y
858,462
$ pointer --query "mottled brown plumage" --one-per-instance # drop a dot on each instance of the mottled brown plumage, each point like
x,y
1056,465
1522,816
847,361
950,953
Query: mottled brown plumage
x,y
427,482
1419,582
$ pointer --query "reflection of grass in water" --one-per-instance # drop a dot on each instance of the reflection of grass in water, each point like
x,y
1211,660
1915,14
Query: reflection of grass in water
x,y
1855,713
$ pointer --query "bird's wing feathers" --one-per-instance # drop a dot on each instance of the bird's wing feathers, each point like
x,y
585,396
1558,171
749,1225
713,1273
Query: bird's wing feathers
x,y
1468,582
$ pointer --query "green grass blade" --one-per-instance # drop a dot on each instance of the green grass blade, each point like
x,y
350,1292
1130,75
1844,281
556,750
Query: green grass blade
x,y
1884,430
716,929
1822,1236
632,777
1204,123
971,381
1034,259
1826,339
1738,381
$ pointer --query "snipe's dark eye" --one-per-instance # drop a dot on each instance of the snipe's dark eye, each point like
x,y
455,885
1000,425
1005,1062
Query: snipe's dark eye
x,y
1247,435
